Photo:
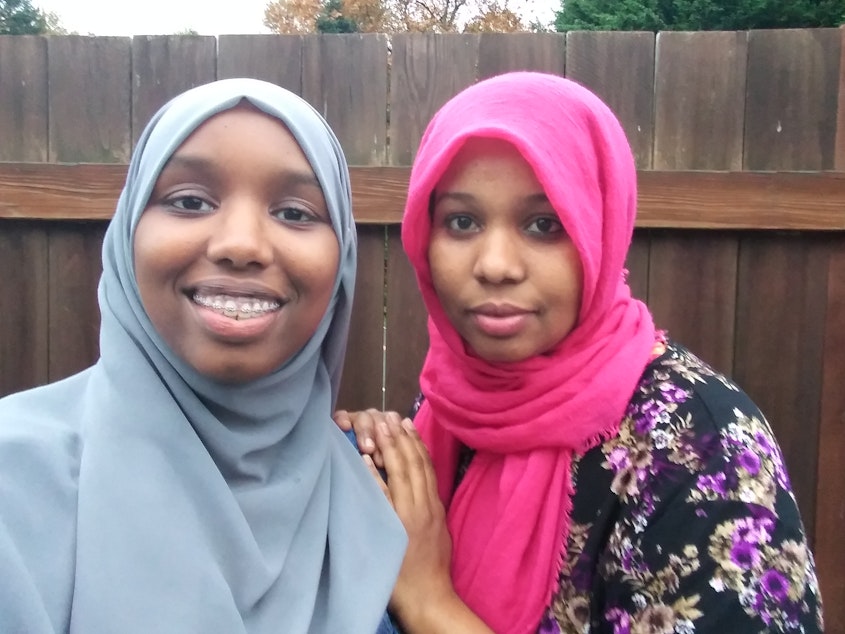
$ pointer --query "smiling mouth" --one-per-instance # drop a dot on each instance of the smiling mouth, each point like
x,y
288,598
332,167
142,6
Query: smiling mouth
x,y
236,307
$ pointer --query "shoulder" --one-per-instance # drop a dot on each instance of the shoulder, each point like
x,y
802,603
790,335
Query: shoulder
x,y
40,428
706,518
40,456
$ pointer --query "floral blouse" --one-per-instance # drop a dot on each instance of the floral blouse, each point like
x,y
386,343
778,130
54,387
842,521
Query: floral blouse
x,y
685,521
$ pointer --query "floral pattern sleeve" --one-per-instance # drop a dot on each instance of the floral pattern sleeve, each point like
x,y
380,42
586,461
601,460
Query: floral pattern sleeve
x,y
685,521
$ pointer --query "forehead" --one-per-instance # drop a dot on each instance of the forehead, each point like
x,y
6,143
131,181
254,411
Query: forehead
x,y
487,159
246,127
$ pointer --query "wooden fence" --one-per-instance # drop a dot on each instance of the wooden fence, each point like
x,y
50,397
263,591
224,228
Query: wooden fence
x,y
739,251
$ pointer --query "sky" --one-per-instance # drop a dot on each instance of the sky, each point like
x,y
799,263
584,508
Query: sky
x,y
206,17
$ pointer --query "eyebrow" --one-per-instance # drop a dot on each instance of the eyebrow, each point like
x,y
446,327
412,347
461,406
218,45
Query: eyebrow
x,y
539,197
209,168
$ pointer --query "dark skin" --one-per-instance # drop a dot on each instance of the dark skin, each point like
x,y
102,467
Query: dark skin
x,y
393,443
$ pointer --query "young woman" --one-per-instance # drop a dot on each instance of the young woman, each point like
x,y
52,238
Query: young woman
x,y
594,475
192,479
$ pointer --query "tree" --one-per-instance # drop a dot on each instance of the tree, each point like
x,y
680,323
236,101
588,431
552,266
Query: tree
x,y
19,17
390,16
696,15
332,20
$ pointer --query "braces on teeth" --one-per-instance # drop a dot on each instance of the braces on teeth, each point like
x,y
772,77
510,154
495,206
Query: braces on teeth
x,y
236,309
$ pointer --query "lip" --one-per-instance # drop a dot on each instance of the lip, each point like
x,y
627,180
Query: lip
x,y
234,288
227,329
500,320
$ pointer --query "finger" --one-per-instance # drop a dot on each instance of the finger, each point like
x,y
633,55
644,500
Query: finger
x,y
364,425
412,457
424,457
342,419
371,467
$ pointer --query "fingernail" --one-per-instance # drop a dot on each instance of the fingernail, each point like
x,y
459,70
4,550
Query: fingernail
x,y
408,425
369,443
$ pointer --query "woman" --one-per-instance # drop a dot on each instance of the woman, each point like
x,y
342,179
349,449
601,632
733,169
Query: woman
x,y
594,475
191,480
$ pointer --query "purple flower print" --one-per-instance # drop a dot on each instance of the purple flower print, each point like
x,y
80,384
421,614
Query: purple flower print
x,y
775,585
744,554
712,483
749,461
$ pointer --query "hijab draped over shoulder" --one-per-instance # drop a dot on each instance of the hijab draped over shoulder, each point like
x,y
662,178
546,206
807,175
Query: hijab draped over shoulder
x,y
140,496
509,517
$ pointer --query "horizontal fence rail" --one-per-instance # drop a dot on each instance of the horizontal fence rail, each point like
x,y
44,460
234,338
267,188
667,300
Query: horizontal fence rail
x,y
810,201
739,139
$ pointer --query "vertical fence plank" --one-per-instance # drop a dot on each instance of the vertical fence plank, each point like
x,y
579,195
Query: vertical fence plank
x,y
782,277
273,58
830,491
793,81
830,486
699,105
345,78
619,68
700,100
23,86
23,285
504,52
89,122
426,71
164,66
23,245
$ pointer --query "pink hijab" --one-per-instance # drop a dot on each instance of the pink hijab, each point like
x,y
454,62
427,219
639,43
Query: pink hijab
x,y
509,518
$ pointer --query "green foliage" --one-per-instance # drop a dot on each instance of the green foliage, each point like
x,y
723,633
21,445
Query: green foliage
x,y
19,17
332,20
697,15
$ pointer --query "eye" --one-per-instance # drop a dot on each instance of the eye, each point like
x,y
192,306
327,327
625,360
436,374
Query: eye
x,y
545,226
189,204
296,215
461,223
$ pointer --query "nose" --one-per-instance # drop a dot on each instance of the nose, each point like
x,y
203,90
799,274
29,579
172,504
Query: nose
x,y
499,259
240,238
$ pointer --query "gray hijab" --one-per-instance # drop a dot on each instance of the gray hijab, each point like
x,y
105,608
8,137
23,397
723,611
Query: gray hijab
x,y
177,504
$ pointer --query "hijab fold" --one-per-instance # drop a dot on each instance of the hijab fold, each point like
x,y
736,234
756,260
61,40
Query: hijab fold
x,y
509,517
204,507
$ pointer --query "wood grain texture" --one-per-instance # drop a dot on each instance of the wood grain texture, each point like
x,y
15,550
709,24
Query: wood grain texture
x,y
692,291
24,354
619,68
504,52
273,58
426,71
23,321
345,79
667,199
700,101
363,374
839,150
23,86
781,297
698,125
74,272
407,336
164,66
89,105
89,102
791,99
790,116
830,490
